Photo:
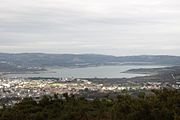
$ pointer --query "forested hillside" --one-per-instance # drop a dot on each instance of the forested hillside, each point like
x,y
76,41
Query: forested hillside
x,y
161,105
38,61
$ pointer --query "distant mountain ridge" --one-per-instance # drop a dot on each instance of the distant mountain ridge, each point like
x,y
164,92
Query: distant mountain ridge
x,y
37,61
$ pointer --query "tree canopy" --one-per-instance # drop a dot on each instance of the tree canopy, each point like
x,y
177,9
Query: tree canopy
x,y
163,105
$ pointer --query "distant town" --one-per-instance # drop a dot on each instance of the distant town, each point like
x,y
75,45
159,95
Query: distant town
x,y
13,90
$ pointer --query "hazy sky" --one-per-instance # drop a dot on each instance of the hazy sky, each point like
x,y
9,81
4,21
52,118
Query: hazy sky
x,y
118,27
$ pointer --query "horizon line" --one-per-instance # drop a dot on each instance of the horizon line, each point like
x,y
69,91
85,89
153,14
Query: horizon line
x,y
16,53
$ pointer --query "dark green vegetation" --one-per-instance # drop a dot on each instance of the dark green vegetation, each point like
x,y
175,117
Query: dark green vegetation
x,y
172,70
37,61
161,105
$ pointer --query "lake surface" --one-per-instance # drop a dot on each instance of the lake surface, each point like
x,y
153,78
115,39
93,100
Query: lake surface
x,y
90,72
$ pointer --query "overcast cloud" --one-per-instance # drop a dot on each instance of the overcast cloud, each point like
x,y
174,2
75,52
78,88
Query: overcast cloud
x,y
118,27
